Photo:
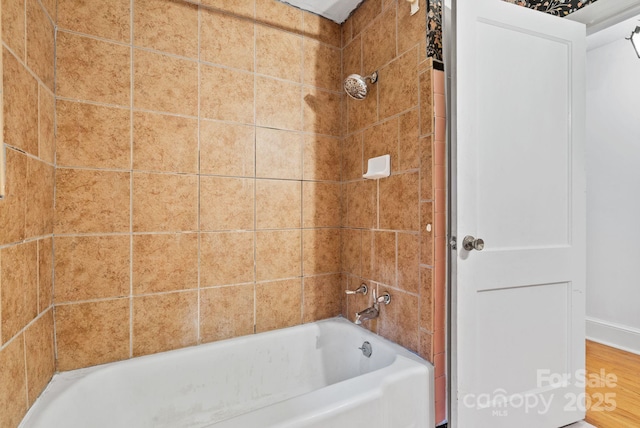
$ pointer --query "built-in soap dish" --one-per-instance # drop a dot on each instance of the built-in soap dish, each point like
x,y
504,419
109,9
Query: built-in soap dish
x,y
379,167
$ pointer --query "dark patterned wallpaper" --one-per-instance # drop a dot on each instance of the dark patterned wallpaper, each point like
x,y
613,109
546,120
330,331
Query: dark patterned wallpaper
x,y
434,18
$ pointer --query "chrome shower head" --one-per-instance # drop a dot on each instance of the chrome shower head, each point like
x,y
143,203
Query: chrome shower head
x,y
356,86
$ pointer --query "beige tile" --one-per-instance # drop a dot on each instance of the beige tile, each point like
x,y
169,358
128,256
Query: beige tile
x,y
344,282
322,297
98,18
163,322
91,201
362,204
45,274
20,98
351,255
343,204
426,299
278,254
92,136
278,53
352,157
13,387
46,127
382,139
320,204
321,251
92,333
279,15
411,28
398,321
19,287
165,203
427,239
408,262
226,203
278,304
321,29
321,157
278,154
13,206
215,86
397,84
39,213
278,204
89,69
226,312
320,65
165,143
91,267
390,3
40,357
363,113
165,83
40,43
347,32
227,149
244,8
368,256
278,104
409,141
165,262
379,41
226,258
399,198
168,26
365,14
426,346
352,58
227,40
14,26
321,112
426,104
426,168
51,7
383,258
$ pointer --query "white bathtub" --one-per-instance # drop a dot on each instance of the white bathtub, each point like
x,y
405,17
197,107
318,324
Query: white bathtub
x,y
311,375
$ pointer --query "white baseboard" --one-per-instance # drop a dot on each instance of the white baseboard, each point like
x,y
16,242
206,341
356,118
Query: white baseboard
x,y
615,335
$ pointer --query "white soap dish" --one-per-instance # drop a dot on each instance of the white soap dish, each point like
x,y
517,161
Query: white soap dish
x,y
379,167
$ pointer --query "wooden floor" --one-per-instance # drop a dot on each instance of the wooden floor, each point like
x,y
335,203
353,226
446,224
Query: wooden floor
x,y
626,394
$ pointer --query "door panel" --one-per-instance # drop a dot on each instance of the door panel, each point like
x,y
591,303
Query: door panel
x,y
518,136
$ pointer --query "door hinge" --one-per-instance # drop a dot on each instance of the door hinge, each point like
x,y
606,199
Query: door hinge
x,y
453,243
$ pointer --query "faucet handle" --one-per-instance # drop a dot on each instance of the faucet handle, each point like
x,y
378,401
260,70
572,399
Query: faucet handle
x,y
361,290
383,298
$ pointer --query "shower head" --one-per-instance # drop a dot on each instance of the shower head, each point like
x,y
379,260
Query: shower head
x,y
356,86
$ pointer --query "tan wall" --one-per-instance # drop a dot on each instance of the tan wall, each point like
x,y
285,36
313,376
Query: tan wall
x,y
385,241
26,213
198,180
207,179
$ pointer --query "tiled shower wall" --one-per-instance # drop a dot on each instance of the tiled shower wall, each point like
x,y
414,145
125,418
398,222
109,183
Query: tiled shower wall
x,y
394,228
26,212
198,179
207,179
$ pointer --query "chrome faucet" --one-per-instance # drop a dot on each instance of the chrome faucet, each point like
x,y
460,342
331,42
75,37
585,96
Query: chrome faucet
x,y
373,311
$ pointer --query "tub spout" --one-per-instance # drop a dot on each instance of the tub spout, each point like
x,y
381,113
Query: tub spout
x,y
373,311
368,314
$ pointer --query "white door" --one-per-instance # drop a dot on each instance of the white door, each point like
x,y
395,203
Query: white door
x,y
518,338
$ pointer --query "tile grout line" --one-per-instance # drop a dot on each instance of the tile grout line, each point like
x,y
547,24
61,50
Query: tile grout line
x,y
255,174
199,255
131,165
55,187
